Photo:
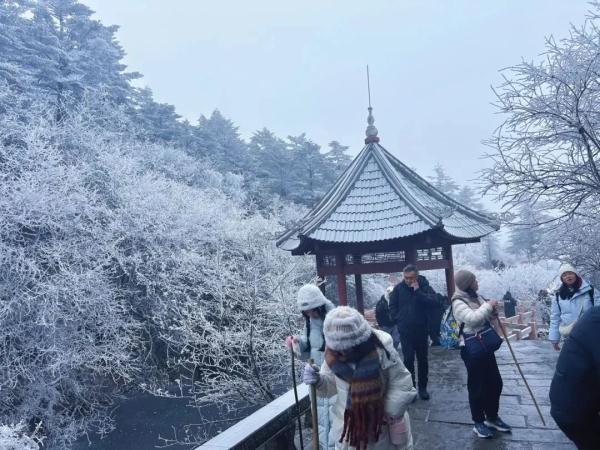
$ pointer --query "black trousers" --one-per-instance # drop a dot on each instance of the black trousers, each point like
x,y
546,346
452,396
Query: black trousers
x,y
416,344
484,384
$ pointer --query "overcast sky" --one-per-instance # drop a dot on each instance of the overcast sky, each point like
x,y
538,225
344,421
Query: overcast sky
x,y
300,66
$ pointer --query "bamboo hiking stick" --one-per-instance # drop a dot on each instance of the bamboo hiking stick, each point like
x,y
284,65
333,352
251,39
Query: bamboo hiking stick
x,y
296,397
296,390
520,371
313,411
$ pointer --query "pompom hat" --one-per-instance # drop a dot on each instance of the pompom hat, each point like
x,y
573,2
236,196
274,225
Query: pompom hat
x,y
344,328
310,297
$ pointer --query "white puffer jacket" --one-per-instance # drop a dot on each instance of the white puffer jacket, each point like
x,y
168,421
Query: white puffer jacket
x,y
474,313
310,347
399,393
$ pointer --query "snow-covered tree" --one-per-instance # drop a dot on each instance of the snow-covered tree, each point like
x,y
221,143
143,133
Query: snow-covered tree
x,y
442,181
546,153
337,157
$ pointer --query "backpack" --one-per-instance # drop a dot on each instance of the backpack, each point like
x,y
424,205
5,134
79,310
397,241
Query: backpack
x,y
382,313
450,330
590,293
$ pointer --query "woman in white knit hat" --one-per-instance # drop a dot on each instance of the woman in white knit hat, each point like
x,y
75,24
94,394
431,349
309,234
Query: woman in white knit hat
x,y
573,297
314,306
373,388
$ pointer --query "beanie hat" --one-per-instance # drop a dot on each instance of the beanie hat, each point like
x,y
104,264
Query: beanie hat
x,y
310,297
464,279
566,267
344,328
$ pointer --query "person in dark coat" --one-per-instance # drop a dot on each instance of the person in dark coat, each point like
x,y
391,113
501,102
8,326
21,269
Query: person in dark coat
x,y
383,317
409,304
575,388
510,305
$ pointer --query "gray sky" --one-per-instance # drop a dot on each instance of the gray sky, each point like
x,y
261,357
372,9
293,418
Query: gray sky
x,y
300,66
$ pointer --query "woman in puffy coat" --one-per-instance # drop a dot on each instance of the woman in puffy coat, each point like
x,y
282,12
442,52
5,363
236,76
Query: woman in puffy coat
x,y
484,382
573,297
314,306
372,387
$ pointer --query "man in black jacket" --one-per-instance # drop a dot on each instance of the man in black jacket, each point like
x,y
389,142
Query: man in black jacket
x,y
409,304
575,389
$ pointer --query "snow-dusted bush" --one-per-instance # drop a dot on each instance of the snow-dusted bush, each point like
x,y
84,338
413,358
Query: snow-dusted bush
x,y
524,281
13,437
115,271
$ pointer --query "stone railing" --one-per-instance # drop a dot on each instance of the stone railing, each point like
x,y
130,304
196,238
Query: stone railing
x,y
521,326
271,427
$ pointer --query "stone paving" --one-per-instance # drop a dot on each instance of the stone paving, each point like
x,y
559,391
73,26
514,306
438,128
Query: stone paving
x,y
444,422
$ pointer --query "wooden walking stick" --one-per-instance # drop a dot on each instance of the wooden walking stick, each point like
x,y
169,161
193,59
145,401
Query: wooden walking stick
x,y
313,412
520,371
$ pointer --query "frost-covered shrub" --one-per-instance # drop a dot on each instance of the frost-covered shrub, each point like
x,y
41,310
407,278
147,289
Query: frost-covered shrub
x,y
13,437
116,271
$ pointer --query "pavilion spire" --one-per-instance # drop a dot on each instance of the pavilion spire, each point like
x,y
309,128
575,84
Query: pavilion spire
x,y
371,131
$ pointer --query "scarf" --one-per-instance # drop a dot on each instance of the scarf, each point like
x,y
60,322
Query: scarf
x,y
363,417
567,292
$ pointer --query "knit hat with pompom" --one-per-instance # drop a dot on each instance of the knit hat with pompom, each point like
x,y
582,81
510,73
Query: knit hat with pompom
x,y
344,328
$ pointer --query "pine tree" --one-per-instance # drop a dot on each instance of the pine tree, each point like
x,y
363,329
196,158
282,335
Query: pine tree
x,y
309,172
55,47
271,162
443,182
218,139
337,158
526,237
157,121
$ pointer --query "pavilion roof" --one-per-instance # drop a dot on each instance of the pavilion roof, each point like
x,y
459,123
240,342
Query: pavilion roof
x,y
378,198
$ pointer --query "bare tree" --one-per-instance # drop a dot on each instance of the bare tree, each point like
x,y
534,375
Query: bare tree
x,y
546,153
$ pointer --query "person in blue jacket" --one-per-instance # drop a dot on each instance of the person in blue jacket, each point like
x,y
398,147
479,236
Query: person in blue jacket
x,y
575,388
573,297
314,306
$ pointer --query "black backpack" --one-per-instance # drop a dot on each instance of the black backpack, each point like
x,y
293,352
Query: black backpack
x,y
382,313
590,293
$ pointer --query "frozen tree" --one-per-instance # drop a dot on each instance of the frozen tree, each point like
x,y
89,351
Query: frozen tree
x,y
442,181
546,153
217,138
526,234
272,162
337,157
14,437
157,121
307,171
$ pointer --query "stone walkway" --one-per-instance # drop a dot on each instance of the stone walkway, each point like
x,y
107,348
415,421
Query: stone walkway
x,y
444,422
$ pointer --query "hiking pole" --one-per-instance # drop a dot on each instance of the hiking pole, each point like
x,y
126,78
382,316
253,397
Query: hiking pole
x,y
296,392
313,412
520,371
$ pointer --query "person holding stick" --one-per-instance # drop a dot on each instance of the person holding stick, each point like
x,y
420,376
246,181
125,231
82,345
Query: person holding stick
x,y
484,382
373,388
314,306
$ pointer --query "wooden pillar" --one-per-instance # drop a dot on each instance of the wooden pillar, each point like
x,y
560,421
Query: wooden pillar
x,y
360,304
341,278
411,256
320,274
449,271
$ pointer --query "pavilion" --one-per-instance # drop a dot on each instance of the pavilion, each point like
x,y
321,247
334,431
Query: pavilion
x,y
380,216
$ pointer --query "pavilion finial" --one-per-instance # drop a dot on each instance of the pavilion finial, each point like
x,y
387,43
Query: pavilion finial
x,y
371,129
